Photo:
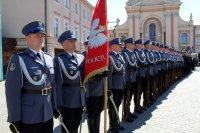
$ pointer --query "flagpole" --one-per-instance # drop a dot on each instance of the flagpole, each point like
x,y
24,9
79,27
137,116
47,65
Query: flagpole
x,y
105,81
99,29
105,87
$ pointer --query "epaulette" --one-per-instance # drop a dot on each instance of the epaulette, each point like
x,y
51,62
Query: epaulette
x,y
80,52
20,53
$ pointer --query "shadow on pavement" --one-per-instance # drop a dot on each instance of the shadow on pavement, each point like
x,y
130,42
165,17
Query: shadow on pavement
x,y
142,118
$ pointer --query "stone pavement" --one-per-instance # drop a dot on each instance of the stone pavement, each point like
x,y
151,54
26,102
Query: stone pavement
x,y
176,111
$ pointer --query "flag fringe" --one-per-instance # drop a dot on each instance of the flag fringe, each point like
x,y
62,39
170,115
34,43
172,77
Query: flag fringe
x,y
95,72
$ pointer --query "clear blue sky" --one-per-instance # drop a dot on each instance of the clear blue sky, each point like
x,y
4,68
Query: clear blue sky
x,y
117,10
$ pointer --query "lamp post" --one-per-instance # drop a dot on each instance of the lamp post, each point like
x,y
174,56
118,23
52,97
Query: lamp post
x,y
117,23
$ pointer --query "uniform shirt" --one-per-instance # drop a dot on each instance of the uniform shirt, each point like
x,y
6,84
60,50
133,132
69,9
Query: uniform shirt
x,y
68,76
26,71
130,65
116,73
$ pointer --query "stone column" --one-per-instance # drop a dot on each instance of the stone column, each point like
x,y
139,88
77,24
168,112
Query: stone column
x,y
130,25
137,26
168,28
191,36
176,33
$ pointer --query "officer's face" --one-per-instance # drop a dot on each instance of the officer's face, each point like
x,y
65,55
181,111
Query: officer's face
x,y
157,48
130,46
148,46
117,48
35,41
154,48
69,45
142,46
134,47
139,46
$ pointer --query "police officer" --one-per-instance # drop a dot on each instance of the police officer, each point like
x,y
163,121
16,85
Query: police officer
x,y
29,85
86,48
158,73
68,78
116,81
150,80
140,54
163,68
153,79
130,75
94,100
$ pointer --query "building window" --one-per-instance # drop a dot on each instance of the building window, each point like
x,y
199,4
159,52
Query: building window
x,y
66,26
66,3
184,38
198,42
76,8
152,32
56,27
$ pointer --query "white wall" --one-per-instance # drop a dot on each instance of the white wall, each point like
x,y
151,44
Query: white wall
x,y
17,13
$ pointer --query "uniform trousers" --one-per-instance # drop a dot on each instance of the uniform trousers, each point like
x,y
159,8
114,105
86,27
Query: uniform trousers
x,y
71,118
43,127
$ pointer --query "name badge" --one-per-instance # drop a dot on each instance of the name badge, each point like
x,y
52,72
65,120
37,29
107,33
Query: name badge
x,y
38,72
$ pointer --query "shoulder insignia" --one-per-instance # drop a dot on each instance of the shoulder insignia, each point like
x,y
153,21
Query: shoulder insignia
x,y
21,53
35,78
12,67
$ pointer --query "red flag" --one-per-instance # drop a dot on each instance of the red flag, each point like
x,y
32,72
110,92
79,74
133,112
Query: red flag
x,y
96,59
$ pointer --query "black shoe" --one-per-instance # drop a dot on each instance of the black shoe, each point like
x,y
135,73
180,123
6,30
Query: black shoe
x,y
133,116
74,131
91,125
139,111
143,109
120,127
130,119
113,130
151,103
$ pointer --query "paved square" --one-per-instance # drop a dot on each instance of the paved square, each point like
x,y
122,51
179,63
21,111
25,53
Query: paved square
x,y
176,111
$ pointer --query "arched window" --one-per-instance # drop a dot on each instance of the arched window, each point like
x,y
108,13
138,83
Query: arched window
x,y
184,38
152,32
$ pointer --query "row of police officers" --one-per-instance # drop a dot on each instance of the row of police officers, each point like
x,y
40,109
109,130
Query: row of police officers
x,y
39,87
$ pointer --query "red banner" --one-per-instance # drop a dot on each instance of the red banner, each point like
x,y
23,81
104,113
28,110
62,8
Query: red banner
x,y
96,59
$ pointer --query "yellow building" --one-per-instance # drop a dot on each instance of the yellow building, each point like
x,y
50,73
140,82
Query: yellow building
x,y
157,20
58,16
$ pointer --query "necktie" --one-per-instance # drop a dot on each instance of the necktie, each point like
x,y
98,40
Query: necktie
x,y
73,57
38,55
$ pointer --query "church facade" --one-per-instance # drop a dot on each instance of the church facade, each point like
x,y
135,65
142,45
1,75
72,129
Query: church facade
x,y
157,20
